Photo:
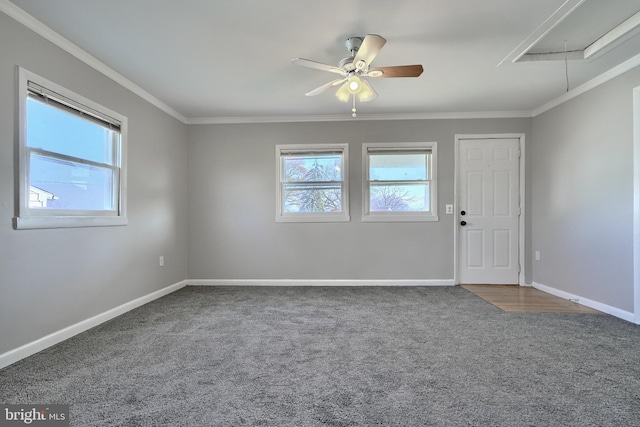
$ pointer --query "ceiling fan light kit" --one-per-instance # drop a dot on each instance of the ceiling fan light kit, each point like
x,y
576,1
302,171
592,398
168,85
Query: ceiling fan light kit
x,y
355,85
353,70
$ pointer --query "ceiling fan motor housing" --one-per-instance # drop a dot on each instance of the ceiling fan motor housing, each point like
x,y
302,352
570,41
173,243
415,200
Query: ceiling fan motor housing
x,y
353,45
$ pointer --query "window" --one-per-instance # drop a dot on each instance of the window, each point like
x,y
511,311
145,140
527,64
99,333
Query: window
x,y
312,183
399,182
71,158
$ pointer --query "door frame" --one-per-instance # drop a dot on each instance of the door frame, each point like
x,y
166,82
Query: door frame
x,y
521,204
636,205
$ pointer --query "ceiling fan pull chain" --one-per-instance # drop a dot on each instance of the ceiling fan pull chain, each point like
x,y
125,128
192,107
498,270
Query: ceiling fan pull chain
x,y
354,105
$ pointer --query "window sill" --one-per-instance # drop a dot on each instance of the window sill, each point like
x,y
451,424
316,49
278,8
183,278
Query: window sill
x,y
31,223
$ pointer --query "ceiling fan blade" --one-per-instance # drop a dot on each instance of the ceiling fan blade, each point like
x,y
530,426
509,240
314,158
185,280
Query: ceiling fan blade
x,y
397,71
370,47
324,87
318,66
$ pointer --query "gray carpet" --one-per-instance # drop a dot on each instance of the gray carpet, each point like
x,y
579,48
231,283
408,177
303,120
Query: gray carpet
x,y
365,356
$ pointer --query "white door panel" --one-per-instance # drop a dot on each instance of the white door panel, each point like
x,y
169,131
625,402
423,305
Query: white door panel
x,y
489,209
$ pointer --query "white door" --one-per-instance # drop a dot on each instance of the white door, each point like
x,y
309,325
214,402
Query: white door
x,y
488,211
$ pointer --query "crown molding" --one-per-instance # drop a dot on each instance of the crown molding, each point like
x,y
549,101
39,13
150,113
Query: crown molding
x,y
49,34
361,117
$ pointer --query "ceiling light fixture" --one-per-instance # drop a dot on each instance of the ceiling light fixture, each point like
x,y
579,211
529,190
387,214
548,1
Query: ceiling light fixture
x,y
357,87
343,93
366,92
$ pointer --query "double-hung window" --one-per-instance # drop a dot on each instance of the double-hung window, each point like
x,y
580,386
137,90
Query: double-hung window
x,y
71,152
399,182
312,183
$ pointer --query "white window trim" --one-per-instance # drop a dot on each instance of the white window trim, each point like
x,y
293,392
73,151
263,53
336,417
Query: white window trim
x,y
27,218
314,217
400,216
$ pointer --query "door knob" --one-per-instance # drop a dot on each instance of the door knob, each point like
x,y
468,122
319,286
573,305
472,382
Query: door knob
x,y
463,213
463,223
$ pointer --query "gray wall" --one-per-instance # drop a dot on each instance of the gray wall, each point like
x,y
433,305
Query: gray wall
x,y
582,194
51,279
232,228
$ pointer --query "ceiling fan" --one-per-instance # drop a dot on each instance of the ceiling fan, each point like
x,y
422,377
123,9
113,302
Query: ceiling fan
x,y
355,67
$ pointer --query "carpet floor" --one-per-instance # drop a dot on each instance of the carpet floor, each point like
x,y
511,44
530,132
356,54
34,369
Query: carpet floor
x,y
338,356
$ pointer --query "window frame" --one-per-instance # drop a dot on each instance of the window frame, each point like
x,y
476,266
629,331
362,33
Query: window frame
x,y
283,149
33,218
432,215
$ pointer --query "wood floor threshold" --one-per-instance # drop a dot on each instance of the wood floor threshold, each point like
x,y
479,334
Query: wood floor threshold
x,y
513,298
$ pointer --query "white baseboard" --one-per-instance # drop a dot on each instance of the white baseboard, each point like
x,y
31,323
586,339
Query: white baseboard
x,y
40,344
624,315
295,282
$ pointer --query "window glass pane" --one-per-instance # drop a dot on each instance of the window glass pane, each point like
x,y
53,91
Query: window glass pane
x,y
398,167
399,198
312,168
52,129
312,198
59,184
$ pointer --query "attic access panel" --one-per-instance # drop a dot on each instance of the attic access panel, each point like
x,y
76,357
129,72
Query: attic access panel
x,y
581,29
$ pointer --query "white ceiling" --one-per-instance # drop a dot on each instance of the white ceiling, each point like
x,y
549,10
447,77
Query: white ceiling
x,y
231,59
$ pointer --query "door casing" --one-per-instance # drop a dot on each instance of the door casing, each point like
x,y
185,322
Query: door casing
x,y
456,210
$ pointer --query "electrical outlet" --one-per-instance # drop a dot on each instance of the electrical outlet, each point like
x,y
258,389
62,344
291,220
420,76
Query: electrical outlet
x,y
537,255
161,261
449,209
